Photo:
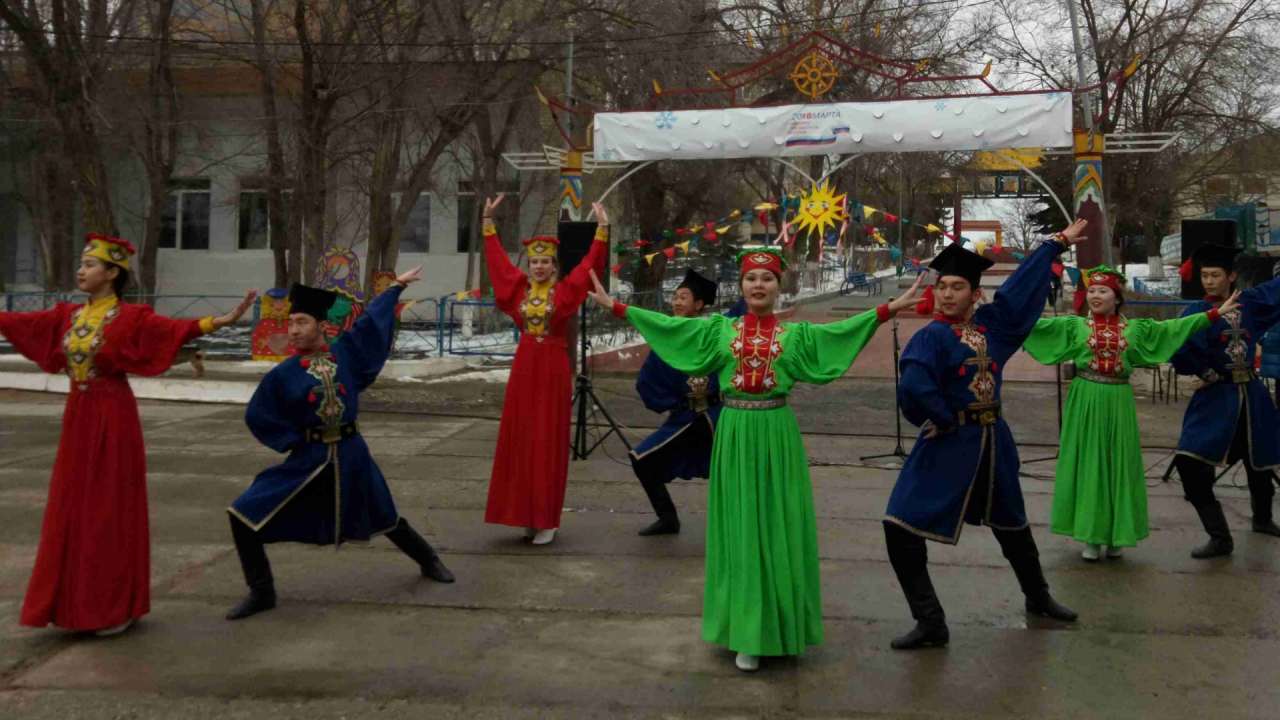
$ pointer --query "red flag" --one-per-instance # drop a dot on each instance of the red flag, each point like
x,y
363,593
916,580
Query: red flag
x,y
712,236
681,231
891,217
669,252
711,226
1057,269
641,243
763,217
915,262
617,268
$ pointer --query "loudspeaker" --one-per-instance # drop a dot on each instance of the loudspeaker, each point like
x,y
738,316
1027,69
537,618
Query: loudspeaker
x,y
575,242
1196,233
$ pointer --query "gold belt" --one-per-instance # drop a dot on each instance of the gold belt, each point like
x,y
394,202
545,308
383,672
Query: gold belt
x,y
1242,376
1102,379
329,434
740,404
978,416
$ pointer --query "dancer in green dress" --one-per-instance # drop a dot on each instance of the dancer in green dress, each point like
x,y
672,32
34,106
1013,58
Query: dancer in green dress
x,y
762,593
1100,491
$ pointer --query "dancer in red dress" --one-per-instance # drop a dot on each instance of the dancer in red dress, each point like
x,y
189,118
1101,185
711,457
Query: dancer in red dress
x,y
531,466
93,568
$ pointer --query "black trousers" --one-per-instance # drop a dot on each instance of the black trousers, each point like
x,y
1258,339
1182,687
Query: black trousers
x,y
1199,477
652,469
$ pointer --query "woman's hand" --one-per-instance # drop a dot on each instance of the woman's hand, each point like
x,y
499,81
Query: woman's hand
x,y
599,295
491,205
1229,305
242,308
908,298
602,215
1074,233
410,277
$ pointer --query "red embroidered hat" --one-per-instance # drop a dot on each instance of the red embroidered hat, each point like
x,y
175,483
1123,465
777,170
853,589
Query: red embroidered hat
x,y
762,259
1102,276
542,246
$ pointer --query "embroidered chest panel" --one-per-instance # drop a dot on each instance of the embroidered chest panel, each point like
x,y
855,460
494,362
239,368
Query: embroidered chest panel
x,y
756,347
981,366
1108,344
1236,349
329,398
82,341
538,306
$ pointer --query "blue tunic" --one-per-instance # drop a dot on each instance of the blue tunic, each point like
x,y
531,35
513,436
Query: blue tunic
x,y
285,503
664,389
1231,344
948,368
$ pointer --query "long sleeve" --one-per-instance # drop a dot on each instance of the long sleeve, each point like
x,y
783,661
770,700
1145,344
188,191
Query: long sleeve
x,y
655,393
919,391
368,342
151,346
1053,340
507,279
821,353
1191,358
37,336
1153,341
1018,304
266,413
572,291
690,345
1261,307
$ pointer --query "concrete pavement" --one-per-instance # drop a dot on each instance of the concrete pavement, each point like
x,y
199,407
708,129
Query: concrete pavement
x,y
606,624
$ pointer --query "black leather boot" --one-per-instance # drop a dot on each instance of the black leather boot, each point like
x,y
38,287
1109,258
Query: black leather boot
x,y
1020,550
1261,492
1215,523
910,557
417,548
660,498
257,573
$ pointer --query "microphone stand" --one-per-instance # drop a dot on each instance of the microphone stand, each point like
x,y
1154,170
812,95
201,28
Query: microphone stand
x,y
898,452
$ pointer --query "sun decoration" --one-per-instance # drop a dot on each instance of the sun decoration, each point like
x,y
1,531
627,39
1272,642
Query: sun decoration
x,y
814,75
820,209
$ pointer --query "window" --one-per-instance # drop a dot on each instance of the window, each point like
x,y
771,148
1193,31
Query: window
x,y
417,231
255,218
508,220
184,220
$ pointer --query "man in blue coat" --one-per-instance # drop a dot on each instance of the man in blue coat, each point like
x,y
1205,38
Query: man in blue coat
x,y
1231,417
681,448
329,490
964,466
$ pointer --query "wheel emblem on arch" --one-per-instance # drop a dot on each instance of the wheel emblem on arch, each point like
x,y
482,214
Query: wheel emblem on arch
x,y
814,75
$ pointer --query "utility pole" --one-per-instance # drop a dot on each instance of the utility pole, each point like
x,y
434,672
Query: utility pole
x,y
1087,187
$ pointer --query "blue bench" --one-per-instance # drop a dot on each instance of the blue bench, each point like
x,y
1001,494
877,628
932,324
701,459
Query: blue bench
x,y
860,281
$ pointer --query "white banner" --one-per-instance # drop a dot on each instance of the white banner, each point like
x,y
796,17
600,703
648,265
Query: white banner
x,y
975,123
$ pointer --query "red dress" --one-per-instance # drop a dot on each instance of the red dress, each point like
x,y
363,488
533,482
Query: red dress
x,y
531,467
93,568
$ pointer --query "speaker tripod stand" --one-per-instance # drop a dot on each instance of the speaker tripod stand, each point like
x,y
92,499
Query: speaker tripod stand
x,y
586,401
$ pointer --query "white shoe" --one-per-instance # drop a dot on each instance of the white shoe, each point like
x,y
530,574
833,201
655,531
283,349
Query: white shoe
x,y
1114,552
1090,552
748,663
544,537
114,629
529,533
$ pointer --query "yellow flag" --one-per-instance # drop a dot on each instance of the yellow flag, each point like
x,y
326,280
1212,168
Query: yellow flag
x,y
766,206
933,228
735,213
880,239
877,29
784,30
868,211
722,230
656,87
750,43
684,246
987,70
979,247
459,296
1133,66
541,98
649,258
713,75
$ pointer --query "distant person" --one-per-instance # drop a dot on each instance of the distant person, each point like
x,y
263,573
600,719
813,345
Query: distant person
x,y
1230,418
1100,485
531,464
681,448
93,567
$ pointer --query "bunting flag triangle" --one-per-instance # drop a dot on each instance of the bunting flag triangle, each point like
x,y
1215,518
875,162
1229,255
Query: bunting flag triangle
x,y
1057,267
649,258
617,268
891,217
979,247
685,247
868,211
1020,257
934,228
735,213
894,252
722,230
669,252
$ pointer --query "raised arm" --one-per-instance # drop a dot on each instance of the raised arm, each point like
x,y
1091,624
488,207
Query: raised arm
x,y
37,336
1156,341
507,279
152,346
574,288
368,342
1261,307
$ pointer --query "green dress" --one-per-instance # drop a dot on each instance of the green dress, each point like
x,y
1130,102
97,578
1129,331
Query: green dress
x,y
1100,490
763,594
